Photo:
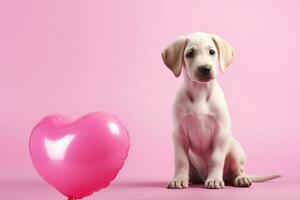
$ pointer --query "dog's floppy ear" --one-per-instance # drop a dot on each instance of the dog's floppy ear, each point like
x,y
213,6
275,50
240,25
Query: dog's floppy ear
x,y
173,55
225,51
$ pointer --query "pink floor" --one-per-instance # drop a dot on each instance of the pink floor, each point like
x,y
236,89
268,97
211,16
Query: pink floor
x,y
149,190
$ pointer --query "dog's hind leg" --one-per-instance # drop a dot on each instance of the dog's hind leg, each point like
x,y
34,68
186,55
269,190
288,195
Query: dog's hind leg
x,y
236,157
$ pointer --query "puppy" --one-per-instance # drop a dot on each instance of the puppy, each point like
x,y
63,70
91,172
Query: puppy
x,y
205,150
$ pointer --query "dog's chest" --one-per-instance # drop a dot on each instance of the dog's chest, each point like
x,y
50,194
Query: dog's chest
x,y
200,126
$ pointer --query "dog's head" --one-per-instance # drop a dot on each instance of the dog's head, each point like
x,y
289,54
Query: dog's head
x,y
199,54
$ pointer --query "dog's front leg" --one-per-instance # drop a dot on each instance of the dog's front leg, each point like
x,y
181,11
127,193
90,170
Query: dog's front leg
x,y
181,177
216,161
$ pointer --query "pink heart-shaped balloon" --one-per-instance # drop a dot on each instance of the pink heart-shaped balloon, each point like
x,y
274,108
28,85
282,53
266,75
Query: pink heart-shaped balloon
x,y
79,157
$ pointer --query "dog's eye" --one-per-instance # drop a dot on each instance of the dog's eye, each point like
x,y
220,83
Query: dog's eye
x,y
190,54
212,52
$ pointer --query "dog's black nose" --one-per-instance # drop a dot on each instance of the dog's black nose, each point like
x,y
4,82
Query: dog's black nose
x,y
204,70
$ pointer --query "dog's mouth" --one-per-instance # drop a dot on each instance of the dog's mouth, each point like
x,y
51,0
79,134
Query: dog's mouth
x,y
197,77
202,78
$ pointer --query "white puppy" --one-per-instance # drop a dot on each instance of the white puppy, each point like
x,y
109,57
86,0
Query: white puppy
x,y
205,150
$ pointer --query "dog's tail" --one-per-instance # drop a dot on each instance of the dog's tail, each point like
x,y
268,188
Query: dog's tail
x,y
264,178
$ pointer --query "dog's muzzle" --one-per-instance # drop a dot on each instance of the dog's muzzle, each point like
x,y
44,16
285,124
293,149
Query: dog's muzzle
x,y
204,73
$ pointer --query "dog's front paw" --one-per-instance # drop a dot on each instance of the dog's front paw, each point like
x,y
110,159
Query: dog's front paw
x,y
178,184
214,184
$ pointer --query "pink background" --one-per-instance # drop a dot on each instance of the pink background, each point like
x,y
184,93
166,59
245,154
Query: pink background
x,y
74,57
